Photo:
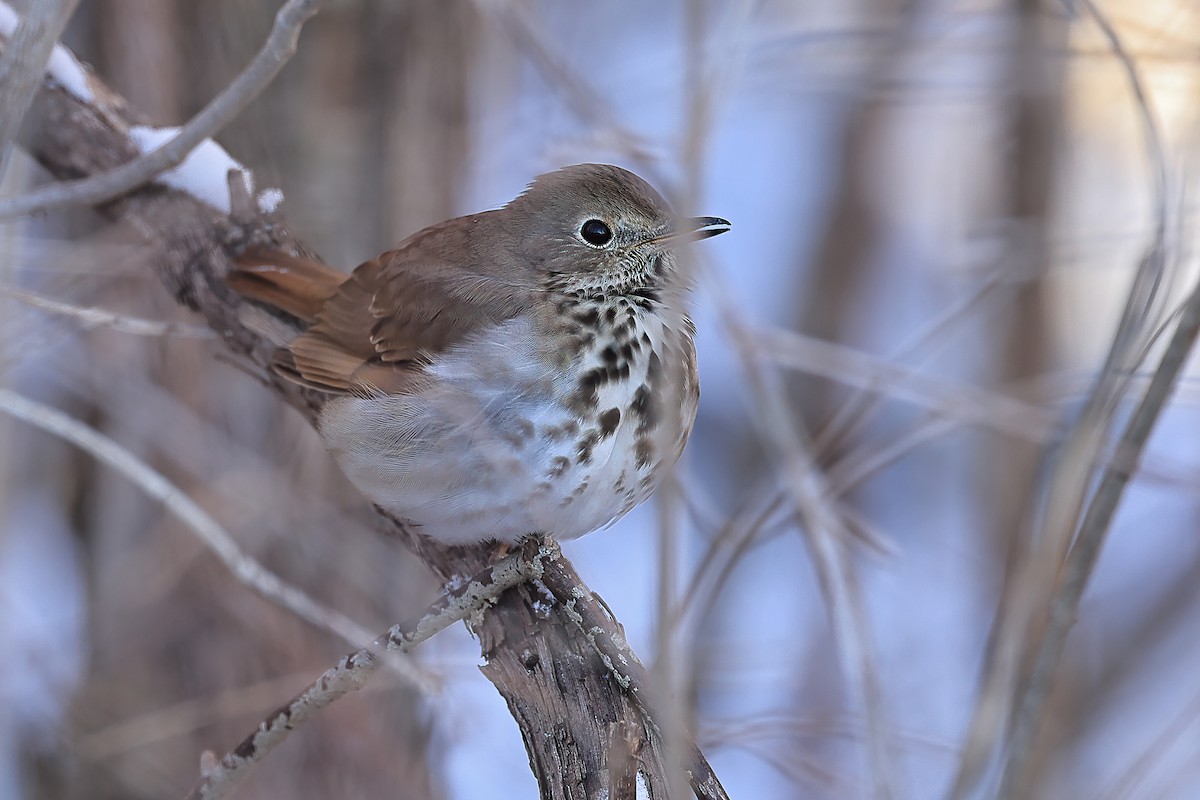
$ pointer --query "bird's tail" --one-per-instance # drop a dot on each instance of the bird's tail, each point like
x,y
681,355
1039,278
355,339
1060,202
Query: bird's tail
x,y
297,285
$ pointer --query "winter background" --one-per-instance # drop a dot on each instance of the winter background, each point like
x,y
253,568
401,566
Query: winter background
x,y
956,194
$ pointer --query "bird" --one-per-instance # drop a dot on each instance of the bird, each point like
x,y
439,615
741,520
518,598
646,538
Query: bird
x,y
527,370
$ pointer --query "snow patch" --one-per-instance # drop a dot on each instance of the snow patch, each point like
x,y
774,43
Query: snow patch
x,y
202,174
269,200
63,68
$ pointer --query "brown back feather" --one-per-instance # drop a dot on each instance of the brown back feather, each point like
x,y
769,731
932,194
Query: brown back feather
x,y
377,329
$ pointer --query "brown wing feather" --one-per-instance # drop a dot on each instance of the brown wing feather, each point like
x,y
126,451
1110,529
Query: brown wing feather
x,y
297,285
380,327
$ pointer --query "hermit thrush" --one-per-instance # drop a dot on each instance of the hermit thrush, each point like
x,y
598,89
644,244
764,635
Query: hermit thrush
x,y
523,370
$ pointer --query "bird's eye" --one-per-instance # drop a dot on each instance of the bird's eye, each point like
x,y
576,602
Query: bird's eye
x,y
596,232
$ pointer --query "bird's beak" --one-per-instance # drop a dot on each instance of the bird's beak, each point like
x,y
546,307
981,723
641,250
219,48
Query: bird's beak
x,y
705,227
694,229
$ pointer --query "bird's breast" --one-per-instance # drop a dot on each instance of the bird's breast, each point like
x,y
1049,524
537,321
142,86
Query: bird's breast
x,y
527,426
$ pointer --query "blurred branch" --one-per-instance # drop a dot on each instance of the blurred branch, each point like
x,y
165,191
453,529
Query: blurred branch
x,y
581,97
882,377
223,109
849,417
23,64
1093,531
1066,576
825,530
354,670
245,568
89,318
551,676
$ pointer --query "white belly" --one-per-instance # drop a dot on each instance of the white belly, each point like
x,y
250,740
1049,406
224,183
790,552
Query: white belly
x,y
495,452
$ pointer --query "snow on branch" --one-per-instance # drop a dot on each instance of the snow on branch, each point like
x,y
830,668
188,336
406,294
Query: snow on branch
x,y
166,149
63,68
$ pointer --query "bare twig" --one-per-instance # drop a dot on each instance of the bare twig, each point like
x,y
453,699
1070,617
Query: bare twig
x,y
178,719
23,64
219,778
581,97
223,109
1085,442
854,367
245,568
1093,531
90,318
825,530
855,412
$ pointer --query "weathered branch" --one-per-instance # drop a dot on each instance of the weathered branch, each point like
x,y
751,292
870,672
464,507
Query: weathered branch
x,y
354,670
566,700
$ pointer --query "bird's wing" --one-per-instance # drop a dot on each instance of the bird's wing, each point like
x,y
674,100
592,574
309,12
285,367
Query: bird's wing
x,y
385,323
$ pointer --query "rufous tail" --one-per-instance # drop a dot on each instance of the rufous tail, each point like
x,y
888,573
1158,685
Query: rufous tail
x,y
297,285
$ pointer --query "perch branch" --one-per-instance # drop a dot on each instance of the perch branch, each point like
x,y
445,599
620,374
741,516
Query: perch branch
x,y
353,671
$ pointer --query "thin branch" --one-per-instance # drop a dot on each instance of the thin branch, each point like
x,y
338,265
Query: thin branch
x,y
245,568
89,318
1093,532
855,367
23,64
223,109
856,411
588,104
219,778
825,530
1085,442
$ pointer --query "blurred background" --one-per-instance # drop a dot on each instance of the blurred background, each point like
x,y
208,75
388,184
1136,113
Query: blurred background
x,y
956,194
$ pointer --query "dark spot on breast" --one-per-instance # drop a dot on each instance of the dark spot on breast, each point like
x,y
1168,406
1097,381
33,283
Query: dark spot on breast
x,y
588,318
644,452
653,369
611,314
645,407
587,395
609,421
609,355
558,466
586,444
645,338
627,350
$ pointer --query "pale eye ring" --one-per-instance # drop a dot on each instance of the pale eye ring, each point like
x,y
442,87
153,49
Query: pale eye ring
x,y
596,232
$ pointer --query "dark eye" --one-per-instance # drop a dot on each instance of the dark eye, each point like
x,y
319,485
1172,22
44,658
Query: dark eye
x,y
595,232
